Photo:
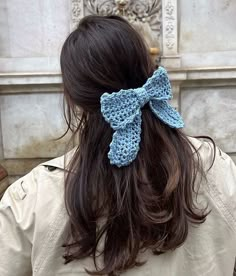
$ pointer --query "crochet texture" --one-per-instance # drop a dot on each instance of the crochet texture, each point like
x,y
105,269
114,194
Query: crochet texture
x,y
122,110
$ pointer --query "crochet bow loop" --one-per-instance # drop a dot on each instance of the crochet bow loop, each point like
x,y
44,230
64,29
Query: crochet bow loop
x,y
158,86
121,108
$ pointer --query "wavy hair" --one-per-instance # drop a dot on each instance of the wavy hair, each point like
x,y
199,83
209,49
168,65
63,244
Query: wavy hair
x,y
146,205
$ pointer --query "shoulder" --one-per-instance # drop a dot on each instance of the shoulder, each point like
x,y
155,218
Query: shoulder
x,y
220,178
42,175
28,199
32,214
214,160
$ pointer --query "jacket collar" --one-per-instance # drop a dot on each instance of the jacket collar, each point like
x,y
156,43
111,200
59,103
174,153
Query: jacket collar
x,y
61,162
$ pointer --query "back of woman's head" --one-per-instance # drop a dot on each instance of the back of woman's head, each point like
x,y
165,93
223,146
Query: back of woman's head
x,y
145,205
104,54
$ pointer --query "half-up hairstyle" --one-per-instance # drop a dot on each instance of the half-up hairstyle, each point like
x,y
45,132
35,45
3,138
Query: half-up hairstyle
x,y
146,205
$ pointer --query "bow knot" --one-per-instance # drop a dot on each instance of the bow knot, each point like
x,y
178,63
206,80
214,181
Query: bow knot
x,y
142,96
122,110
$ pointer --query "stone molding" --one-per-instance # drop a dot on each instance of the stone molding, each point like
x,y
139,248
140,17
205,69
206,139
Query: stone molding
x,y
54,79
29,78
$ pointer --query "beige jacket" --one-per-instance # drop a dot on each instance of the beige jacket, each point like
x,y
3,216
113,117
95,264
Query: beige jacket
x,y
33,224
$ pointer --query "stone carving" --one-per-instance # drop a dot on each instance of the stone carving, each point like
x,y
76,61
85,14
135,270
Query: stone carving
x,y
133,10
170,19
77,13
144,15
170,53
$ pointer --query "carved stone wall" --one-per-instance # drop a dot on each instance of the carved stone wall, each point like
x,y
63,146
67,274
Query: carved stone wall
x,y
197,46
156,20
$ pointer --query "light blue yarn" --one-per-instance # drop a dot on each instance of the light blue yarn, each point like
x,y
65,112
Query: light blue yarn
x,y
122,110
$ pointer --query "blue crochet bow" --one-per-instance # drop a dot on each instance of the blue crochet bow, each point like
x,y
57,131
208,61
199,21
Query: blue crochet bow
x,y
122,110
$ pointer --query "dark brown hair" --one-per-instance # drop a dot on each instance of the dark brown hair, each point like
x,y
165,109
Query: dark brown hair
x,y
146,205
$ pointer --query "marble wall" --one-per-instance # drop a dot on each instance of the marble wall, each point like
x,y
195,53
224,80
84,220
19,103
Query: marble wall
x,y
207,33
32,34
207,44
211,111
198,48
22,135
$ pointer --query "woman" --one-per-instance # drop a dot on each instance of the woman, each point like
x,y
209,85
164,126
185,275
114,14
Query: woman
x,y
136,196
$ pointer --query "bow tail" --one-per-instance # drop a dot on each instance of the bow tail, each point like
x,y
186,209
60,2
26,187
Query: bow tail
x,y
166,113
125,143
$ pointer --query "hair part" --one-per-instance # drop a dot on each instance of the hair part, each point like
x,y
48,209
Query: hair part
x,y
146,205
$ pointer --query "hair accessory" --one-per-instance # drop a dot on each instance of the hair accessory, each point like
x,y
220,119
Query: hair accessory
x,y
122,110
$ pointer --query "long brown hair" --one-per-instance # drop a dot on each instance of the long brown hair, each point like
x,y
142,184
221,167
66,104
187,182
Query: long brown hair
x,y
146,205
